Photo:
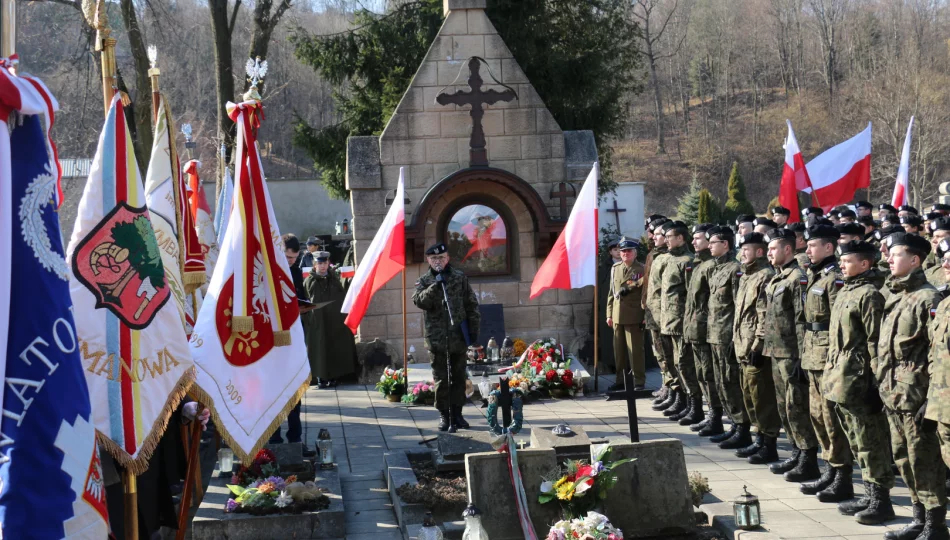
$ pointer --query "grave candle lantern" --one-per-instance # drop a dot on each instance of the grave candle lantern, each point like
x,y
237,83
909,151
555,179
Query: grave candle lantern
x,y
226,461
473,524
746,509
507,349
325,446
492,350
429,530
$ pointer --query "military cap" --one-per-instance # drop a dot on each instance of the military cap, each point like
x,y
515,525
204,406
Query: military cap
x,y
321,256
654,217
823,231
797,228
940,207
720,231
942,248
812,210
867,220
881,234
655,224
781,210
892,219
912,241
833,213
930,216
752,238
940,224
889,208
856,247
612,242
847,213
913,221
628,243
779,234
765,221
855,229
675,225
702,227
437,249
824,221
864,204
313,241
908,208
745,218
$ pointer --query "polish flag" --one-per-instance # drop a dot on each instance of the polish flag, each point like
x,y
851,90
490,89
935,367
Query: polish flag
x,y
841,170
385,258
902,185
572,263
347,272
794,176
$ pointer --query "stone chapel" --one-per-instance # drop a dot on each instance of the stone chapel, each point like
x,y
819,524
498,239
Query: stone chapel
x,y
488,171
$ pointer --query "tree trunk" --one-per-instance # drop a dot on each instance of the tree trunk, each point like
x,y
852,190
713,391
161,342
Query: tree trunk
x,y
264,24
221,30
142,99
657,98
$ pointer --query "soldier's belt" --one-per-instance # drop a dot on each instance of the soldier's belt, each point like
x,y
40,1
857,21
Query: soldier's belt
x,y
817,326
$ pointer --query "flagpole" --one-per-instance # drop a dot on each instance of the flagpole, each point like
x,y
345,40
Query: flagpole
x,y
153,74
8,29
106,45
596,323
405,334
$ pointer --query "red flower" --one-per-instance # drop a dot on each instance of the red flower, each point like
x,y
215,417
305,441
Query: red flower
x,y
551,375
568,378
584,470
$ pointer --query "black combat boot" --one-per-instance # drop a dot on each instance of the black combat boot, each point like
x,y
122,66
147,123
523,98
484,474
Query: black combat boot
x,y
840,489
726,435
740,439
935,527
457,416
666,402
879,508
661,393
767,454
704,423
443,420
852,507
679,404
752,448
807,468
827,476
687,410
912,531
714,427
787,464
695,414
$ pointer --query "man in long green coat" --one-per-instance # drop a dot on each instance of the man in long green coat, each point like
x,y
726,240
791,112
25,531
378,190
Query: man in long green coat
x,y
330,345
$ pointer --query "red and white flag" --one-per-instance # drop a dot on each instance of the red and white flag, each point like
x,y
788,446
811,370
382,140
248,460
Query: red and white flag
x,y
841,170
794,176
902,185
385,258
201,214
572,263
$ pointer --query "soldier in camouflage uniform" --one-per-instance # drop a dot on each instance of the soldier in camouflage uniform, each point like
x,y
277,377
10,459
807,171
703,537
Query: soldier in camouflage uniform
x,y
824,281
748,330
675,402
938,397
848,381
694,330
723,285
674,283
903,378
800,256
444,334
783,343
882,267
665,396
939,230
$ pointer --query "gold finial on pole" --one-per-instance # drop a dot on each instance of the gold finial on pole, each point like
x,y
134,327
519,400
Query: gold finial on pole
x,y
256,70
94,12
153,74
7,28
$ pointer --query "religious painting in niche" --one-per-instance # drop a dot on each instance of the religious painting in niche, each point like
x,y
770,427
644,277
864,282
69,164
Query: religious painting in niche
x,y
478,241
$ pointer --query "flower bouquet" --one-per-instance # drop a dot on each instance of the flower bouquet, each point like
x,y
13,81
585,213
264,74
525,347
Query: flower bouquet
x,y
392,384
259,489
582,486
594,526
423,393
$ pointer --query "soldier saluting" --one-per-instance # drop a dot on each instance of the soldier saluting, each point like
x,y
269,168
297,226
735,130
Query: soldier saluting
x,y
625,314
451,318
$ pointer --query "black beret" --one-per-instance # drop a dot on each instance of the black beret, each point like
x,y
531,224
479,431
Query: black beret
x,y
908,208
612,242
824,221
653,217
628,243
765,221
822,231
891,218
812,210
675,225
867,220
797,228
847,213
855,229
720,231
833,213
437,249
656,223
913,220
745,218
940,207
943,247
856,247
781,210
885,206
930,216
752,238
940,224
912,241
864,204
881,234
779,234
702,227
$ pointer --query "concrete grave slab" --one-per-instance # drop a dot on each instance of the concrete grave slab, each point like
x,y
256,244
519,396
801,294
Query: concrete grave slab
x,y
573,446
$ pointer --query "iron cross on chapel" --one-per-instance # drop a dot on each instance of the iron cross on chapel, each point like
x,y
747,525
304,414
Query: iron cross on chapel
x,y
476,97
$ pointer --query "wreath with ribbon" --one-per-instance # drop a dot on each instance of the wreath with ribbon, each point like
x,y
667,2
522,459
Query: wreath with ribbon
x,y
517,416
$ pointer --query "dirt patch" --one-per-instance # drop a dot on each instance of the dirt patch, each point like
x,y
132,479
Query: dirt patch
x,y
445,492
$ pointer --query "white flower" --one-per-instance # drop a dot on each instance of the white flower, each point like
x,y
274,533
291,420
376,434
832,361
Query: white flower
x,y
562,365
547,486
284,500
560,372
546,345
382,378
593,520
597,451
584,486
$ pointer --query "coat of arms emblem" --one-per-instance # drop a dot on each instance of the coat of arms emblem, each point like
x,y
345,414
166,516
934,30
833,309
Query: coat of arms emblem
x,y
120,263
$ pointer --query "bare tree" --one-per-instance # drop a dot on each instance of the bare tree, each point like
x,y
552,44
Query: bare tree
x,y
223,19
828,18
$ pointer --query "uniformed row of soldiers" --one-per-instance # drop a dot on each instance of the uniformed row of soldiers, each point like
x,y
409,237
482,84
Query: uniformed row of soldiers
x,y
834,329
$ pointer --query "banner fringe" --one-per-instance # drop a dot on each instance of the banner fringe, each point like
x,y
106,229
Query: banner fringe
x,y
193,280
139,464
282,338
247,458
242,324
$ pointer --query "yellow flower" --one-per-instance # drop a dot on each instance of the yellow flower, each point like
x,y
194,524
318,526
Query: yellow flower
x,y
566,491
560,482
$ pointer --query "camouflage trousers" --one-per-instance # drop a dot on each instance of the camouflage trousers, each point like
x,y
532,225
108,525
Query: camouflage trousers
x,y
758,392
728,384
827,426
867,433
663,350
791,396
683,358
702,356
628,352
917,455
444,395
943,434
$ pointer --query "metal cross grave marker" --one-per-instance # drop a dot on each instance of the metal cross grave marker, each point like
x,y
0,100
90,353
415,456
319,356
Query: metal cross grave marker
x,y
616,212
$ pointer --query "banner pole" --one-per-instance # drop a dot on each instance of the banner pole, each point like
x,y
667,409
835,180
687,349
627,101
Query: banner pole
x,y
596,332
8,28
405,334
191,476
131,506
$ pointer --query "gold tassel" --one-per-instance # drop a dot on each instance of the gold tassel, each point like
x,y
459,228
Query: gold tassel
x,y
242,324
194,280
282,338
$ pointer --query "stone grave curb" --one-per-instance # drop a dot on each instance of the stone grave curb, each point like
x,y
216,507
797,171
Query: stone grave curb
x,y
721,518
399,472
212,523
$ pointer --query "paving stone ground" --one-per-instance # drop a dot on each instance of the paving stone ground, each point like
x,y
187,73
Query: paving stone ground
x,y
364,426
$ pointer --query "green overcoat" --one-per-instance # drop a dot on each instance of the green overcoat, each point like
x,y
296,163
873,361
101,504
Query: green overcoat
x,y
330,345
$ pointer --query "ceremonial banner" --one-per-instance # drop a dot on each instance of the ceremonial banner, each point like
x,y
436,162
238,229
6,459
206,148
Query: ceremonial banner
x,y
132,343
201,214
222,207
50,474
249,311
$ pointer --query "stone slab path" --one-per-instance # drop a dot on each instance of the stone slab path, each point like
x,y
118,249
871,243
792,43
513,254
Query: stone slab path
x,y
364,426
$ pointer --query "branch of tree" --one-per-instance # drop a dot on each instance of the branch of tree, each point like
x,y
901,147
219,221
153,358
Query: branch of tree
x,y
237,6
71,3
